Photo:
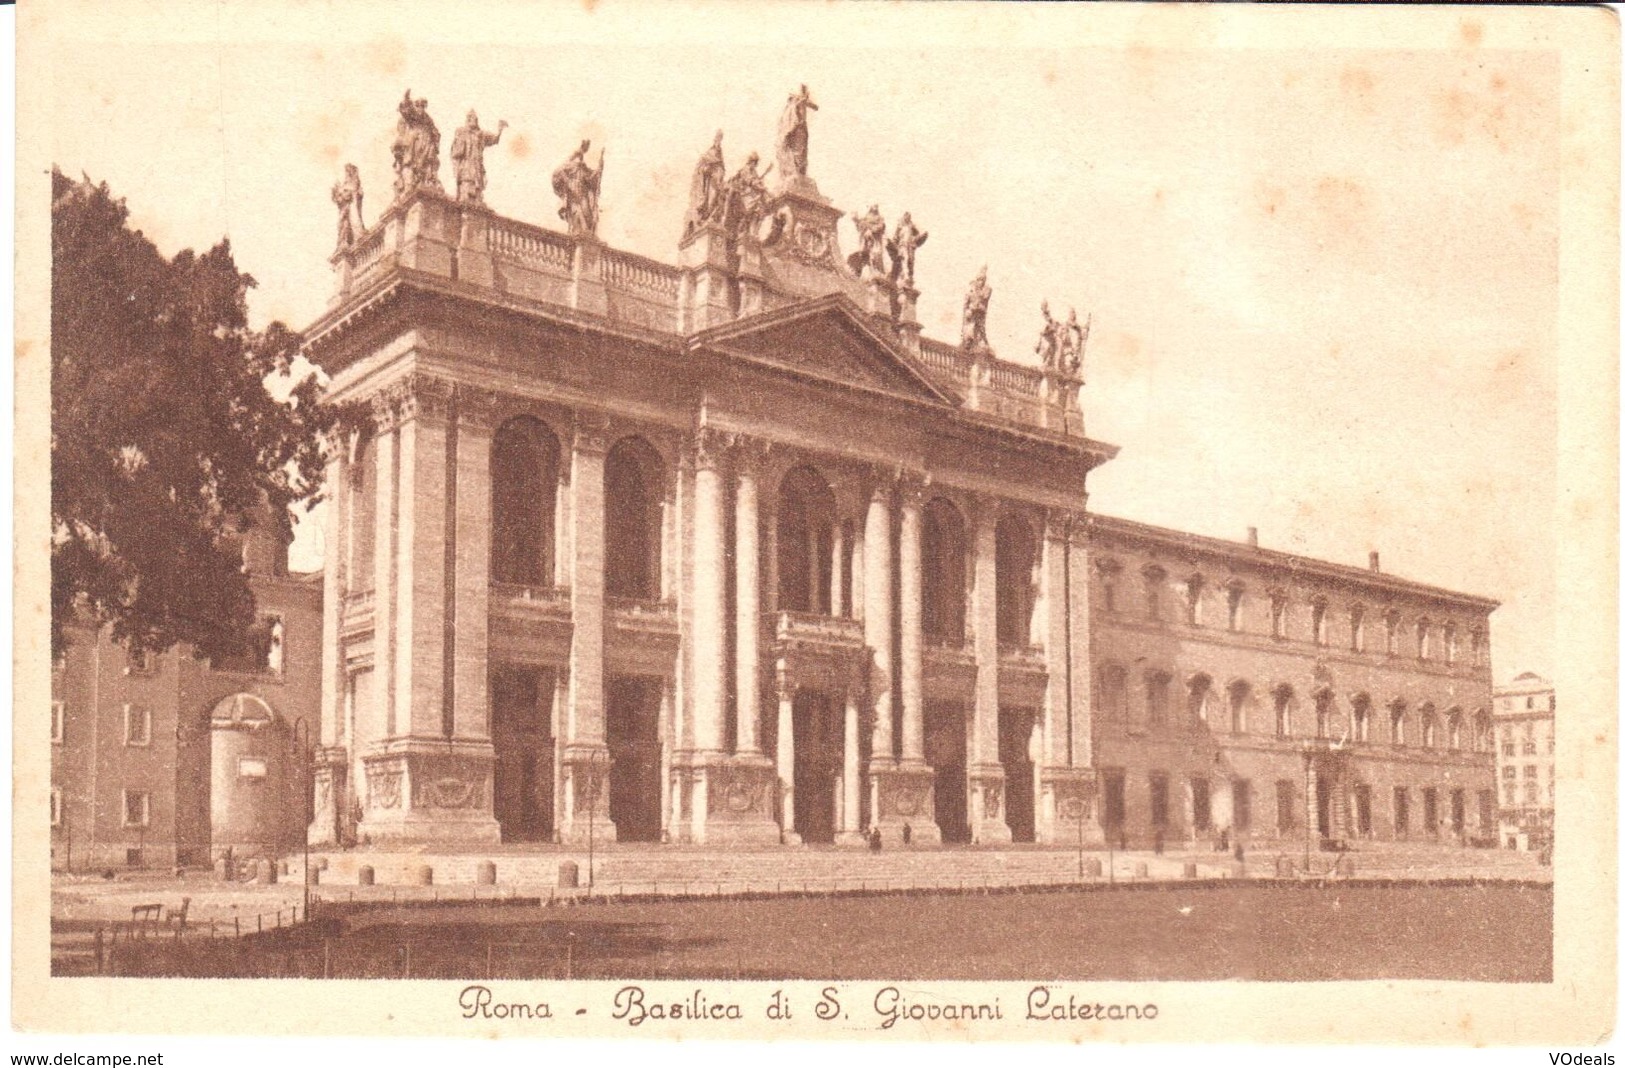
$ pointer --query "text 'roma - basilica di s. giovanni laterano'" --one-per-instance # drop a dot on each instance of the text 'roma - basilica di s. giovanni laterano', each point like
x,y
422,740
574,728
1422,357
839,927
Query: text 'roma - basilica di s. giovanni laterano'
x,y
718,548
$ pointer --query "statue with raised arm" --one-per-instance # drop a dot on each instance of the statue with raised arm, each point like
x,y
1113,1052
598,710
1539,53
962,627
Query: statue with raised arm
x,y
468,158
707,190
416,149
871,243
904,240
577,183
792,153
974,332
1049,340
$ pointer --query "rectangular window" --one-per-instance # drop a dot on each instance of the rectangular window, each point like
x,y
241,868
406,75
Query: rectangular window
x,y
1450,644
1424,641
1201,804
137,808
1357,629
1531,792
1509,772
1285,790
137,725
1241,795
1156,698
59,722
1402,811
1362,810
1511,792
1159,799
1458,811
1530,771
56,807
1430,809
1115,806
1509,748
1391,632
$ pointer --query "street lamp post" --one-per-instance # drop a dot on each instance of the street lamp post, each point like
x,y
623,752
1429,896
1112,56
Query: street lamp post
x,y
299,743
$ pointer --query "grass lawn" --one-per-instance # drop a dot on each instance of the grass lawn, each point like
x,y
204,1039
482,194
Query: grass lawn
x,y
1497,933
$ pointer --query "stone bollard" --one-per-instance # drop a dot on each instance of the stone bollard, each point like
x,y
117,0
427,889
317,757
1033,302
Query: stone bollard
x,y
364,875
282,867
265,874
1092,867
569,875
222,870
1284,868
486,874
1190,870
423,875
1142,870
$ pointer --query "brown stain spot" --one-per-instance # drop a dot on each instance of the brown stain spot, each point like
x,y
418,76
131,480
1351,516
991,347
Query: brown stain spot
x,y
519,147
1472,33
387,55
1271,197
589,6
1498,82
1357,81
1159,197
1049,75
1509,362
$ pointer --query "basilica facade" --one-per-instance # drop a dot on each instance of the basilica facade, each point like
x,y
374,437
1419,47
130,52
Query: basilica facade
x,y
723,550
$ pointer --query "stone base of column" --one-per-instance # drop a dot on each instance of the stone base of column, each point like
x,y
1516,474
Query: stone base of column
x,y
1066,804
584,793
429,791
987,826
328,781
905,797
739,800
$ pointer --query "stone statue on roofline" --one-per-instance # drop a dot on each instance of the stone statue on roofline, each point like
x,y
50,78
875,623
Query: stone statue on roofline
x,y
792,154
871,252
904,240
468,158
745,199
416,149
707,192
576,182
1073,340
1049,340
973,334
347,198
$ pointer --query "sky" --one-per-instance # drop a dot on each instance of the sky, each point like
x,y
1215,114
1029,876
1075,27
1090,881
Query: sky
x,y
1323,281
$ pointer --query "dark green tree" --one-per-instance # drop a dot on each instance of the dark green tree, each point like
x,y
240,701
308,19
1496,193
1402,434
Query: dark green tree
x,y
166,445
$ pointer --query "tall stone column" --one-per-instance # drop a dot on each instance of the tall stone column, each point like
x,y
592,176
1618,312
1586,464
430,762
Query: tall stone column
x,y
850,829
785,690
747,613
706,636
837,572
467,628
586,756
877,617
330,768
907,793
987,808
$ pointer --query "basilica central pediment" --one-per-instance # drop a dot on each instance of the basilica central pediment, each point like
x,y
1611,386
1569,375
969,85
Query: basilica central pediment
x,y
827,338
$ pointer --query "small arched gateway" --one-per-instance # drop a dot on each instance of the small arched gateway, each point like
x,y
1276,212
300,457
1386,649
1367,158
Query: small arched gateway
x,y
256,780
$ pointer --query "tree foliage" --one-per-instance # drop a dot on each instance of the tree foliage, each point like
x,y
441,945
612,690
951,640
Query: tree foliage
x,y
166,445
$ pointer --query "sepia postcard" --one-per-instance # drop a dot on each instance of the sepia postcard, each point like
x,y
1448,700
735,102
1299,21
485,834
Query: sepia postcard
x,y
1052,523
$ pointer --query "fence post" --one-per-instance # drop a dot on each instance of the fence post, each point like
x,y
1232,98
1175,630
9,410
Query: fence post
x,y
327,958
259,922
237,925
99,951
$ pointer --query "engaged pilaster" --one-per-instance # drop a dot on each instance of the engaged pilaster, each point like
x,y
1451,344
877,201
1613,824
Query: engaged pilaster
x,y
986,773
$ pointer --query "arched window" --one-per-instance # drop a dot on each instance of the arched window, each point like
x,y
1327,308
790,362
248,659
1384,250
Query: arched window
x,y
1323,713
1283,711
1317,620
1397,722
1156,697
1155,578
524,480
363,514
634,491
1430,727
942,615
1483,734
1278,614
1199,702
1109,571
806,541
1015,561
1424,640
1390,623
1357,628
1232,599
1450,648
1193,600
1360,709
1240,694
1113,691
1452,723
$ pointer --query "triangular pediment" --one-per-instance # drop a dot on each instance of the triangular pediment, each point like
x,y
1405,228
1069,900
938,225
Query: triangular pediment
x,y
828,338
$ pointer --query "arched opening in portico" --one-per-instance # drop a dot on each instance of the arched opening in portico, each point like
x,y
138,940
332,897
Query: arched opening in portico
x,y
816,720
943,558
806,539
524,481
634,483
1015,563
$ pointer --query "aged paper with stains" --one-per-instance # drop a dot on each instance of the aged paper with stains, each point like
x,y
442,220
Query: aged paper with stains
x,y
1348,276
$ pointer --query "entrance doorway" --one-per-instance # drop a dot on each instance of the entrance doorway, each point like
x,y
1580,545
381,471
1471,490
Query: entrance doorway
x,y
632,730
817,736
1015,753
945,751
522,736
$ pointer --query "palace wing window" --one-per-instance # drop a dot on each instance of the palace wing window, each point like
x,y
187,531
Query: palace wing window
x,y
137,725
59,722
137,808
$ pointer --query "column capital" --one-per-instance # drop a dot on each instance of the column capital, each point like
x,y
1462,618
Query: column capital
x,y
709,445
784,688
591,433
417,396
912,487
748,453
476,407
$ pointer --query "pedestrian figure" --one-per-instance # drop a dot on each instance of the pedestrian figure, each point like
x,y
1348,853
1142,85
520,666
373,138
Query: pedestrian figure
x,y
874,839
908,833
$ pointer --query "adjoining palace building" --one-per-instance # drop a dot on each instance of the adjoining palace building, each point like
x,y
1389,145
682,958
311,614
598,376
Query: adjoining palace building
x,y
726,551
